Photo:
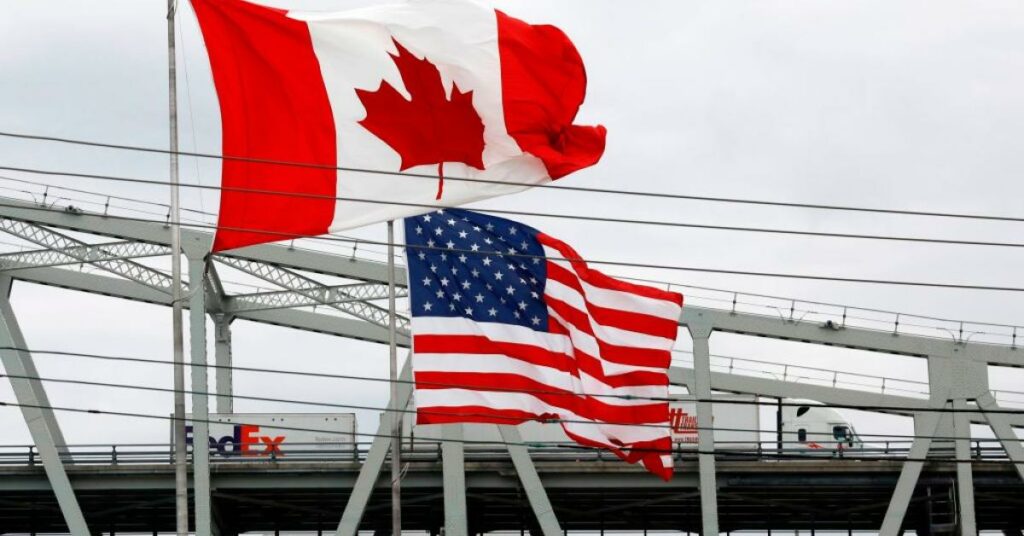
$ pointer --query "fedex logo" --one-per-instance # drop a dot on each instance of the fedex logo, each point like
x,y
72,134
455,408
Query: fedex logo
x,y
244,441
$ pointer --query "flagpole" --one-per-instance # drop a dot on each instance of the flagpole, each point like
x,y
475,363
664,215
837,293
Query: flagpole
x,y
396,415
180,467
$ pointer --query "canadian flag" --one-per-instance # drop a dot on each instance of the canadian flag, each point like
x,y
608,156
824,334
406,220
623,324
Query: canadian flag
x,y
313,103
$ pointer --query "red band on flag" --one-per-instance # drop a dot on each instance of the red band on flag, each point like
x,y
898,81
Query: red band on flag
x,y
543,83
274,106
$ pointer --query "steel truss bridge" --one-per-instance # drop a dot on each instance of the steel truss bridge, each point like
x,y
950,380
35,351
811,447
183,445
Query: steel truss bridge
x,y
53,486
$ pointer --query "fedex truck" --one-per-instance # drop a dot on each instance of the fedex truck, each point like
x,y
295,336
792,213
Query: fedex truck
x,y
255,435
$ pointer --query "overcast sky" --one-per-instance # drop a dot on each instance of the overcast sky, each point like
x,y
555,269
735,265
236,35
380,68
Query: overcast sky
x,y
905,105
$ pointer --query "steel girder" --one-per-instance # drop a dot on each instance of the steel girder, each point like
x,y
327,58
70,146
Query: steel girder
x,y
159,233
51,257
83,252
312,289
113,257
329,295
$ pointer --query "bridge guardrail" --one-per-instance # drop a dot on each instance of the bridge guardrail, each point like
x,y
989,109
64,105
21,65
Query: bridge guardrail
x,y
429,451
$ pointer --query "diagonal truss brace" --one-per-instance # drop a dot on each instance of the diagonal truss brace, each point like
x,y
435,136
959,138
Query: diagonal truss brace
x,y
312,289
83,252
44,258
327,295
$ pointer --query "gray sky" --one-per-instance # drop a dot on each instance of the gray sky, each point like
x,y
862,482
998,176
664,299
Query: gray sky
x,y
907,105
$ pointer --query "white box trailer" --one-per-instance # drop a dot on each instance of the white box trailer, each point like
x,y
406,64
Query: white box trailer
x,y
736,426
278,434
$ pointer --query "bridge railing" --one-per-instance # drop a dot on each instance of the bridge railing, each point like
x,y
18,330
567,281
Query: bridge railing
x,y
428,451
799,310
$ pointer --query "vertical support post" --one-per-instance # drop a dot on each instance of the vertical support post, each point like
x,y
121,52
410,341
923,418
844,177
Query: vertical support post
x,y
964,472
177,328
530,480
396,418
370,471
453,465
925,425
196,250
701,333
778,426
223,359
41,423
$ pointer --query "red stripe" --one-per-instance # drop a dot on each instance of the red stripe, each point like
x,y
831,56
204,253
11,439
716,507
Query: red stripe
x,y
480,414
585,407
648,452
273,106
583,362
601,280
617,318
625,355
543,83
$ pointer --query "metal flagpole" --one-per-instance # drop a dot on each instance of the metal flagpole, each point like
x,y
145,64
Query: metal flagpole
x,y
396,416
180,467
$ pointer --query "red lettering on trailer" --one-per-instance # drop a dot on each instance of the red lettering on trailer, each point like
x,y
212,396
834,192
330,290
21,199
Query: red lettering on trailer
x,y
273,445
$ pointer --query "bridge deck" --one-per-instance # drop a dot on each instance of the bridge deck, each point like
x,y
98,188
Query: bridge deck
x,y
587,495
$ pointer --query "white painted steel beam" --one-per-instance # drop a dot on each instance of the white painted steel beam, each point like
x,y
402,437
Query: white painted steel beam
x,y
848,337
41,423
453,467
42,258
532,485
1000,424
925,425
964,471
370,471
325,295
195,251
119,288
223,377
316,291
84,253
158,233
701,333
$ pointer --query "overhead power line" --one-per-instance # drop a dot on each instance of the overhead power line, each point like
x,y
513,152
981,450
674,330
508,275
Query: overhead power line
x,y
357,242
512,420
661,195
571,217
286,236
860,407
725,452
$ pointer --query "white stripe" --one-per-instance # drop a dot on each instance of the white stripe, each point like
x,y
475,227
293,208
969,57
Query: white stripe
x,y
436,400
608,334
554,378
495,331
615,299
587,343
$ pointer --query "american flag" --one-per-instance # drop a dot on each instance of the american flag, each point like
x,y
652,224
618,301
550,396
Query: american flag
x,y
509,325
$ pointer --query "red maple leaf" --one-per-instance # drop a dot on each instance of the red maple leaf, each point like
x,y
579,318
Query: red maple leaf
x,y
430,128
